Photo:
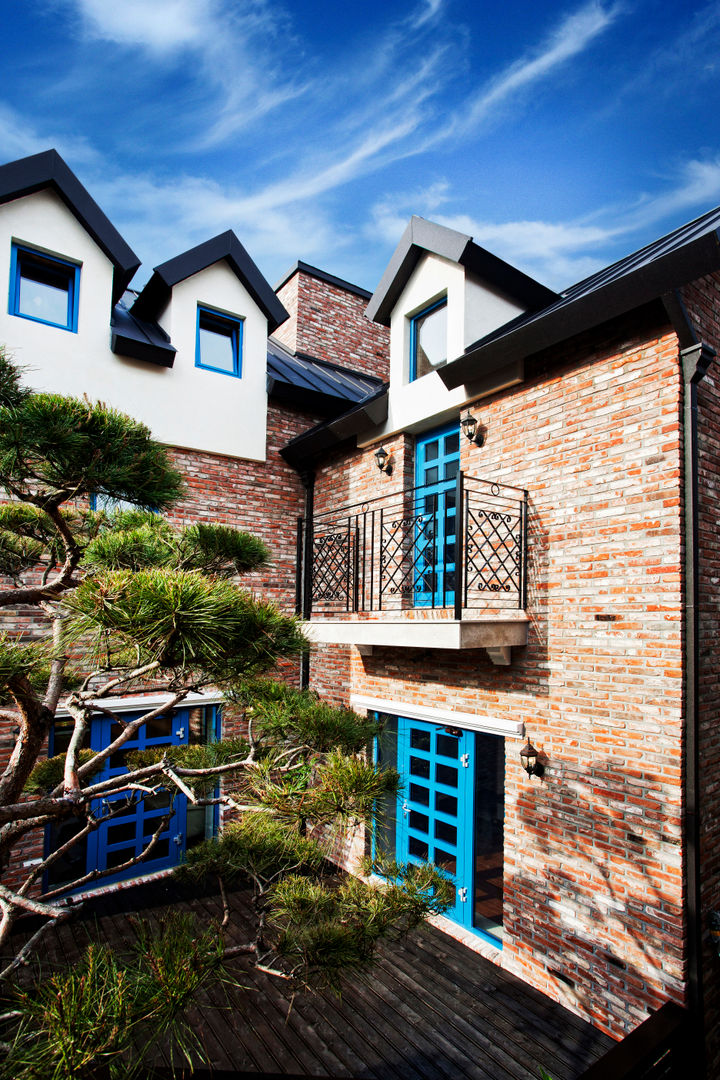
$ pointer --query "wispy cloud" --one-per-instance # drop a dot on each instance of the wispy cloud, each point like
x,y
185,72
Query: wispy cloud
x,y
216,42
571,37
162,26
559,253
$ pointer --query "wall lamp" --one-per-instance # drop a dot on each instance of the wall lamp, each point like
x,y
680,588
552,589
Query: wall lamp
x,y
473,432
529,759
383,462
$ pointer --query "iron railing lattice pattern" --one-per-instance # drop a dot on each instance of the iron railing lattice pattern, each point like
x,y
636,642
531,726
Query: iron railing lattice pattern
x,y
464,548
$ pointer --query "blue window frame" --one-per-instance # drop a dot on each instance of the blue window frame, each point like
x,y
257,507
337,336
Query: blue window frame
x,y
44,288
128,830
437,461
428,339
219,342
449,812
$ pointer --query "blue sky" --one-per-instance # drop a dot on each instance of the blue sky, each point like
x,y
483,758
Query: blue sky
x,y
560,135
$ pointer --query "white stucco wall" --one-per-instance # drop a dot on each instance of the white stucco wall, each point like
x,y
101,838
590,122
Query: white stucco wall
x,y
183,405
473,310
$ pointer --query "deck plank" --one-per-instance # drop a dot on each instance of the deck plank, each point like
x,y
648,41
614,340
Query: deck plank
x,y
430,1009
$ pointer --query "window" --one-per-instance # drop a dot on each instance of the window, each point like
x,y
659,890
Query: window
x,y
428,339
43,288
219,342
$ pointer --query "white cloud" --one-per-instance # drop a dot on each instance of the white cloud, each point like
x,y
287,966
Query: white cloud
x,y
560,253
159,25
570,38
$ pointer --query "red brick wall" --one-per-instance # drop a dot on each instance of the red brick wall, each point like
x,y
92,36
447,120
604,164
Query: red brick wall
x,y
702,300
593,863
328,322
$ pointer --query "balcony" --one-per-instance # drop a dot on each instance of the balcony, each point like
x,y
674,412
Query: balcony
x,y
420,568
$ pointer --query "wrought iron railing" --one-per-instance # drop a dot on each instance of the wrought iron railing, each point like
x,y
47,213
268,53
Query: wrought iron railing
x,y
461,548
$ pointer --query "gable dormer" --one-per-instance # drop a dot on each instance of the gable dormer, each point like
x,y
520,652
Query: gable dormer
x,y
440,293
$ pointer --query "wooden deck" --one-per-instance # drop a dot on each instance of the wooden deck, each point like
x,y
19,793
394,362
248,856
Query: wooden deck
x,y
430,1009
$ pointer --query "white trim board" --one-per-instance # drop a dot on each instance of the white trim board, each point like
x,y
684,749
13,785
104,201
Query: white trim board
x,y
512,729
135,702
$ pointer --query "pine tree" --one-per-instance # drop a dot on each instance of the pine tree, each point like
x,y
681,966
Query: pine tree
x,y
126,599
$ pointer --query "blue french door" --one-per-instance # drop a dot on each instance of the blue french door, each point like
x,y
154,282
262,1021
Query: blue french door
x,y
131,828
435,810
124,835
437,462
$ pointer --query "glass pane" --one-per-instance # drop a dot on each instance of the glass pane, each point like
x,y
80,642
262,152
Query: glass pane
x,y
446,804
431,475
418,848
446,833
420,767
160,728
431,340
447,746
451,469
449,500
160,851
161,801
488,833
420,740
121,834
447,775
122,855
117,761
48,299
197,821
419,794
452,443
445,861
216,350
431,450
419,822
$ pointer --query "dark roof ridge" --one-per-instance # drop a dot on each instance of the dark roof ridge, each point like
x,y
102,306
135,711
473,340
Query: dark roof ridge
x,y
223,246
323,275
48,170
683,255
427,237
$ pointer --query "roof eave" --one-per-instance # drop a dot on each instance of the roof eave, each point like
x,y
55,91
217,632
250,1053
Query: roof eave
x,y
591,309
48,170
303,451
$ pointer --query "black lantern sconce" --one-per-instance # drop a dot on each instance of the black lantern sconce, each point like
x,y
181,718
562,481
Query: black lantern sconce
x,y
473,432
529,759
383,462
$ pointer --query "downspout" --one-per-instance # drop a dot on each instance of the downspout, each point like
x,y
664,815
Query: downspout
x,y
695,359
307,476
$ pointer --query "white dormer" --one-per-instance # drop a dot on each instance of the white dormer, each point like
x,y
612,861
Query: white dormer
x,y
187,356
439,295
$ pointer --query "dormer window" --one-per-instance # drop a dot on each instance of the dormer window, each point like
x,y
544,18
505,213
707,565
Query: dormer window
x,y
219,342
44,288
428,339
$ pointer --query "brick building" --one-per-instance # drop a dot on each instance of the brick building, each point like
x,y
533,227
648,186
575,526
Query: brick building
x,y
535,562
189,354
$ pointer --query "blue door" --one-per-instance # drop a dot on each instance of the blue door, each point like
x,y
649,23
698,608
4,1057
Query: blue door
x,y
435,811
437,462
122,837
129,831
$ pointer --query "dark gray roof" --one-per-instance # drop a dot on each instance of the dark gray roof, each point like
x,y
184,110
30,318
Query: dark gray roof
x,y
306,449
48,170
224,246
688,253
138,338
422,237
322,275
306,382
